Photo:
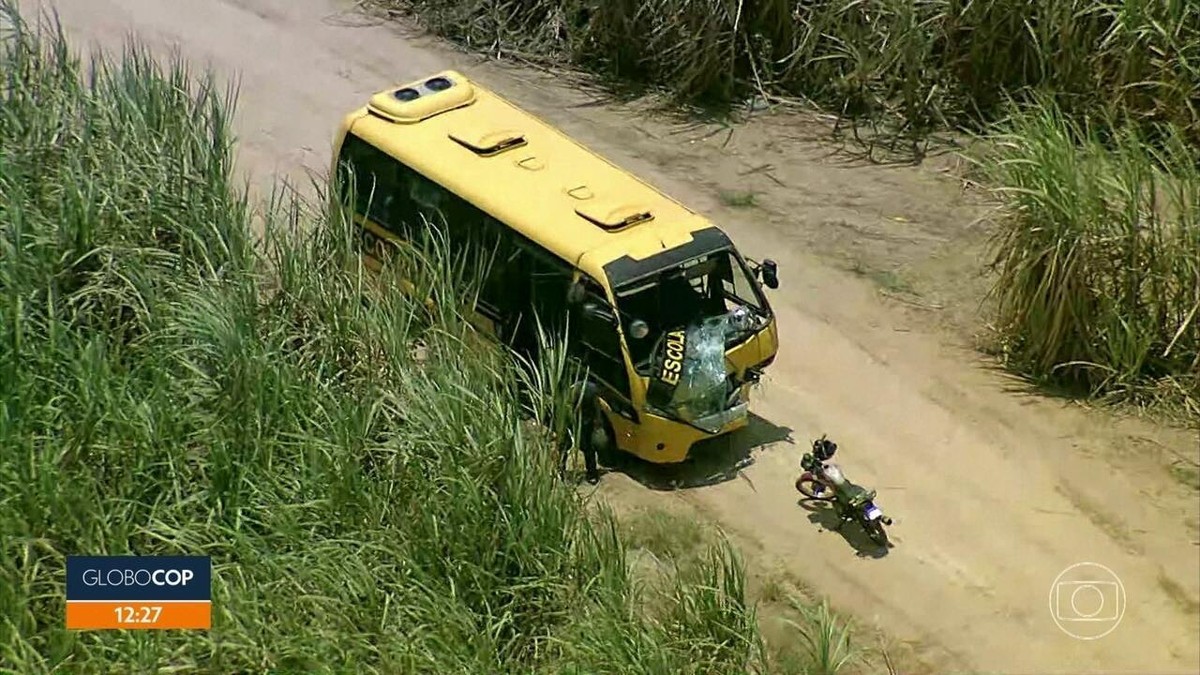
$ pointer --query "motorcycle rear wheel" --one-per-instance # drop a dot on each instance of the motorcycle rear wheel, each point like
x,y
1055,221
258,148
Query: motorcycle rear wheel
x,y
876,532
812,488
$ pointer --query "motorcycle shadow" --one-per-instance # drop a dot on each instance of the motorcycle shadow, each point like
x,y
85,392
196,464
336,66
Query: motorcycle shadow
x,y
823,515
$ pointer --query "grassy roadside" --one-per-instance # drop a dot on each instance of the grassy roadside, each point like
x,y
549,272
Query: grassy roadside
x,y
1099,257
1087,110
917,66
801,633
169,384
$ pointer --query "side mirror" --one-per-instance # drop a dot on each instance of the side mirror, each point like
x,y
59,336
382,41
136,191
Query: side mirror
x,y
597,313
576,293
770,273
586,390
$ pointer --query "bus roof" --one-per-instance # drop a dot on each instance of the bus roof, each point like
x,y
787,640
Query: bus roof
x,y
524,172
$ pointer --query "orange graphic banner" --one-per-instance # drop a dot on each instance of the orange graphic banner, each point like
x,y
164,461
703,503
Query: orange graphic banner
x,y
138,615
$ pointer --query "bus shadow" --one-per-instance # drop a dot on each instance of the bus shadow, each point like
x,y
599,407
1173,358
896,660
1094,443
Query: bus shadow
x,y
711,462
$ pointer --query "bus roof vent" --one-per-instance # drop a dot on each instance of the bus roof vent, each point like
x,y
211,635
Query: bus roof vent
x,y
613,217
531,163
491,143
417,101
580,192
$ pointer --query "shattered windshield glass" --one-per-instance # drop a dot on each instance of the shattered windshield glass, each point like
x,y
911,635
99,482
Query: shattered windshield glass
x,y
694,313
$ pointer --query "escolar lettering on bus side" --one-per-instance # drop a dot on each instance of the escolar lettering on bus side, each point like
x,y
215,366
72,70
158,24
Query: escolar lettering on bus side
x,y
673,358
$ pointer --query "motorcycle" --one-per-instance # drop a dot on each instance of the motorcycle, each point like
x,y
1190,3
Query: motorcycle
x,y
823,480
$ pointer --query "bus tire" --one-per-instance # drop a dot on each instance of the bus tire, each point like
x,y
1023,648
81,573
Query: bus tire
x,y
607,450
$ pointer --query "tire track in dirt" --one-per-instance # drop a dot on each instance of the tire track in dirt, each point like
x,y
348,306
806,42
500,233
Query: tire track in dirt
x,y
992,495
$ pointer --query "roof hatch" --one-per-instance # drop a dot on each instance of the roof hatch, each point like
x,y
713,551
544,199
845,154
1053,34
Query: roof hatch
x,y
420,100
531,163
491,143
613,216
580,192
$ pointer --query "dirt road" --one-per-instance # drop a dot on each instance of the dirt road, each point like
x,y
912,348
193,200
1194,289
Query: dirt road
x,y
994,491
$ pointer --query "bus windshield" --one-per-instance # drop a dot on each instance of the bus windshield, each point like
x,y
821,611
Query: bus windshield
x,y
706,287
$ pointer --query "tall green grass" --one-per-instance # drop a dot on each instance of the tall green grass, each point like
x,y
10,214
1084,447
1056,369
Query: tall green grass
x,y
1099,260
827,640
171,384
919,65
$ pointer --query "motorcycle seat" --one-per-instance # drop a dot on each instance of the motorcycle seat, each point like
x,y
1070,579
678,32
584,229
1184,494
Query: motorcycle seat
x,y
857,494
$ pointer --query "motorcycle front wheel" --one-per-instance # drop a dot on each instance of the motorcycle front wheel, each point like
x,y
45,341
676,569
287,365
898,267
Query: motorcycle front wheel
x,y
810,487
876,532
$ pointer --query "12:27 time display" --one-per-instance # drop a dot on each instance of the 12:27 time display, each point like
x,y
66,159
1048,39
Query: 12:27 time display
x,y
146,614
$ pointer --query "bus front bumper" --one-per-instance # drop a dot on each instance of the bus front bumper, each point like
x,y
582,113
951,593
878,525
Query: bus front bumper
x,y
662,440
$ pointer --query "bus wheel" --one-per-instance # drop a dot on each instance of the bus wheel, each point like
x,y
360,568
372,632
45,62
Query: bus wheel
x,y
604,439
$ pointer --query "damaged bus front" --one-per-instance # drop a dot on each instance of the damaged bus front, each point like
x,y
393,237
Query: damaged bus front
x,y
697,332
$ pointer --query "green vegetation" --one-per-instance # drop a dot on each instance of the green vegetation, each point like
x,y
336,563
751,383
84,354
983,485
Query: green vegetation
x,y
810,637
664,534
924,65
1099,261
826,638
738,199
1093,104
169,384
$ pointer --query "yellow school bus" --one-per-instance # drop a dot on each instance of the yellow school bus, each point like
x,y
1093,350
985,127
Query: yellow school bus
x,y
670,321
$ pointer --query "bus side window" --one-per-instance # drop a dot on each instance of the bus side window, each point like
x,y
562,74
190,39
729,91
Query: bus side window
x,y
376,181
549,281
601,343
398,197
493,248
427,202
484,241
426,205
349,171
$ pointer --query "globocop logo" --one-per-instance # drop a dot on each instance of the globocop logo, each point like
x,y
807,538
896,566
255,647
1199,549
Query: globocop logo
x,y
138,592
135,577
